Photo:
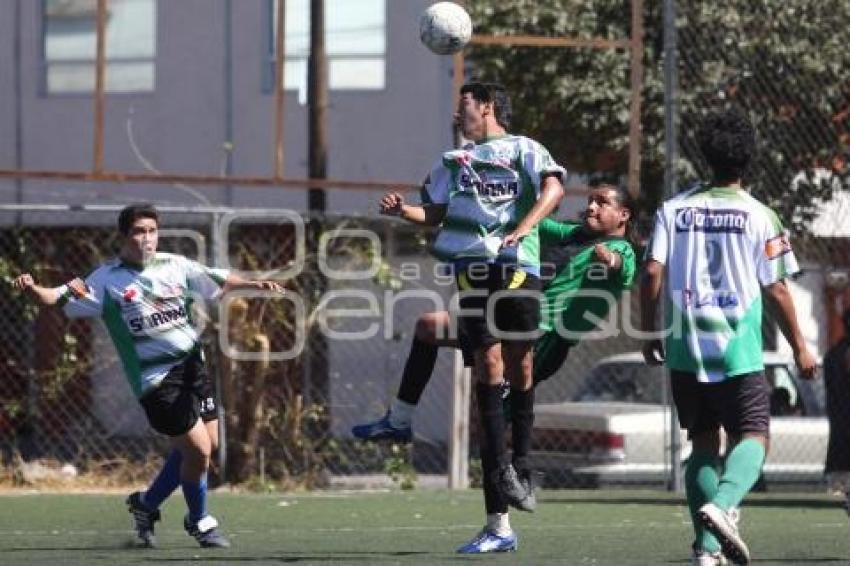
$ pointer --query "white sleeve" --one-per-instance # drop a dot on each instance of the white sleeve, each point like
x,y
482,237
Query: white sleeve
x,y
775,258
658,247
206,281
538,163
437,185
88,305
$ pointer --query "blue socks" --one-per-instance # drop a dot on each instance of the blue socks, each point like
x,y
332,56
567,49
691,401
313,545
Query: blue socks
x,y
165,483
195,494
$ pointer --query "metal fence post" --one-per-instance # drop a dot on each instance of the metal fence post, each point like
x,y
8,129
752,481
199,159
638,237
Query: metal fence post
x,y
459,428
217,248
671,109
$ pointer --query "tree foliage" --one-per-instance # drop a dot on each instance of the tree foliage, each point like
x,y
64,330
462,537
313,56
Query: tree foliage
x,y
783,61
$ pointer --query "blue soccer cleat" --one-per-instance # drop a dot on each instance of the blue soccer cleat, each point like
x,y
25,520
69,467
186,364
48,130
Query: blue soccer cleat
x,y
488,541
382,429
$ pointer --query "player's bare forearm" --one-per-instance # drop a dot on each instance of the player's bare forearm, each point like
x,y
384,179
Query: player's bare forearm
x,y
550,196
44,296
235,282
392,204
781,297
650,293
431,215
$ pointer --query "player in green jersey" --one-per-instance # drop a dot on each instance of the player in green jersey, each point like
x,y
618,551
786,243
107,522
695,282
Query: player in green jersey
x,y
144,297
592,262
718,251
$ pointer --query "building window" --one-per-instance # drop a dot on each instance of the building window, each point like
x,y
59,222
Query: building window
x,y
355,35
70,45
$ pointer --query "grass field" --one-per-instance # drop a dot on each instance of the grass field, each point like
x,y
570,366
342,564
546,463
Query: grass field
x,y
417,527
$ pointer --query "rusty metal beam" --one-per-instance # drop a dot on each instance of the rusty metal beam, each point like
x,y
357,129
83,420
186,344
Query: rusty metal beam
x,y
119,177
543,41
636,88
279,77
99,85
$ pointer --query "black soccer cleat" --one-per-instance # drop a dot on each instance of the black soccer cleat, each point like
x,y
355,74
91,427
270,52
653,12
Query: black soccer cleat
x,y
517,493
206,532
143,519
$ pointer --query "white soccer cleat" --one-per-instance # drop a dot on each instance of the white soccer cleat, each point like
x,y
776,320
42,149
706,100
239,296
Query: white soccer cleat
x,y
724,526
701,557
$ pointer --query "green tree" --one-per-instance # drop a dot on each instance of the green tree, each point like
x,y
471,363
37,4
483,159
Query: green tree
x,y
784,61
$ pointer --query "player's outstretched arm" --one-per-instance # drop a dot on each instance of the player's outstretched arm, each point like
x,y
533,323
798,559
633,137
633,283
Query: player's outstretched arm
x,y
393,205
551,194
650,293
235,282
781,297
45,296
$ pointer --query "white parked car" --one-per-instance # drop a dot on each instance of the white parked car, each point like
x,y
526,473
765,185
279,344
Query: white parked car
x,y
616,428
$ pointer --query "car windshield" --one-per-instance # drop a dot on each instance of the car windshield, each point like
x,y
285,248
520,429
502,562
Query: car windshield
x,y
629,382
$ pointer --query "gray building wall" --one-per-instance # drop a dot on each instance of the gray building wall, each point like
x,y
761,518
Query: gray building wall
x,y
392,134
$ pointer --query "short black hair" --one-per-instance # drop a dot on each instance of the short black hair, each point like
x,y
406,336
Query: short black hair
x,y
491,92
133,212
727,140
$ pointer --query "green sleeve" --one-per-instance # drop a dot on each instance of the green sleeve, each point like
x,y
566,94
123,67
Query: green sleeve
x,y
553,232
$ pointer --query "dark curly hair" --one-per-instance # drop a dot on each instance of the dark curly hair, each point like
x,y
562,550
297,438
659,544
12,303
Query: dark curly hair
x,y
727,140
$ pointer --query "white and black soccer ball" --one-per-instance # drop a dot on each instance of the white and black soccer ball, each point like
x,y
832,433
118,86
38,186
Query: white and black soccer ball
x,y
445,28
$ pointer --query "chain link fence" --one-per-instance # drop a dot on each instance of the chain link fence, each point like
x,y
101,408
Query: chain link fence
x,y
294,374
603,418
783,63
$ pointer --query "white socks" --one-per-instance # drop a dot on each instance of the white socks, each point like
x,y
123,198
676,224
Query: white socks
x,y
499,523
401,413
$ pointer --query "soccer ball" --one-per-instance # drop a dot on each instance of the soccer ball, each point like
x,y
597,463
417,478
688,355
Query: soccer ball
x,y
445,28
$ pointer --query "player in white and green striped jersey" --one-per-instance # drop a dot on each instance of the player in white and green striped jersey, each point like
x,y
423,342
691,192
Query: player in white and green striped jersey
x,y
720,250
144,298
488,198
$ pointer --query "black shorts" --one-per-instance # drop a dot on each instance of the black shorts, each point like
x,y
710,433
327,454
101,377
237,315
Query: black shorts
x,y
183,396
739,404
550,353
517,310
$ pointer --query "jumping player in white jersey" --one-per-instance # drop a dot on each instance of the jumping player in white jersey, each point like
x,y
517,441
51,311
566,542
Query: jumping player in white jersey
x,y
488,199
719,250
144,298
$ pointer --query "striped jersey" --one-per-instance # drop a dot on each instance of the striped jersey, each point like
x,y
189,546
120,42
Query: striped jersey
x,y
147,312
488,188
720,246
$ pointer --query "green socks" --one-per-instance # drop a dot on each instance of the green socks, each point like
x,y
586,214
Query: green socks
x,y
741,472
701,481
